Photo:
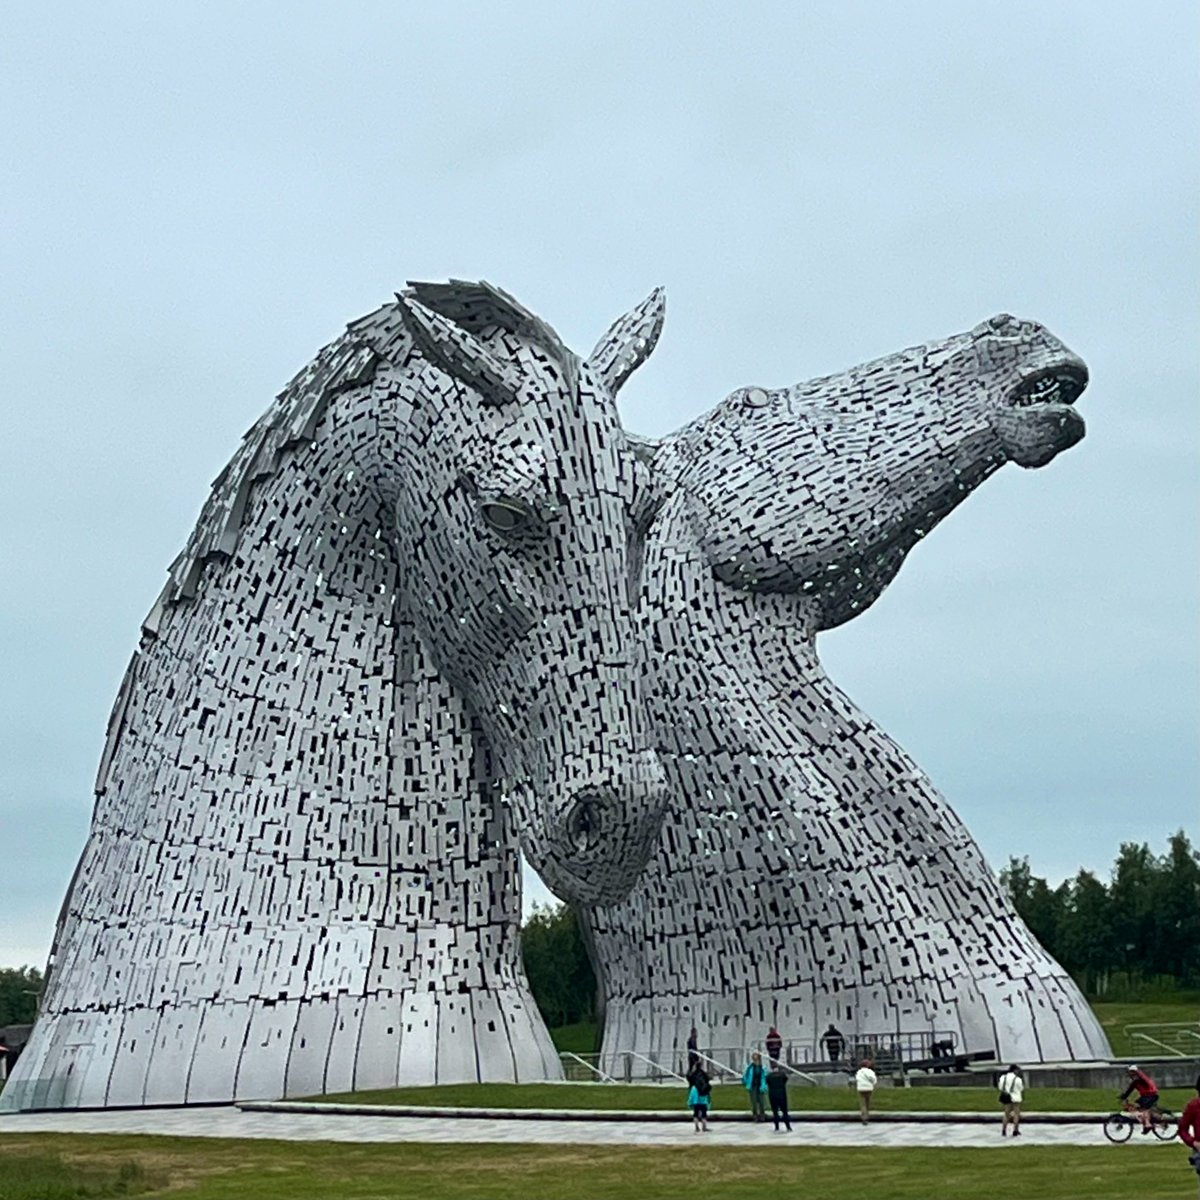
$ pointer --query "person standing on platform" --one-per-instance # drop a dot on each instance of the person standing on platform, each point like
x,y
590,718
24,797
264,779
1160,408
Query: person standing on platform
x,y
774,1044
865,1080
833,1042
754,1079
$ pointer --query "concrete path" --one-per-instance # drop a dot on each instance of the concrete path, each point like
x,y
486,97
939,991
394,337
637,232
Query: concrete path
x,y
232,1122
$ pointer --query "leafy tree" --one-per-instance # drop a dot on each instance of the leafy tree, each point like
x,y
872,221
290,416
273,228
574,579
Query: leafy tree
x,y
1085,943
557,966
1039,906
1132,891
19,990
1139,932
1176,911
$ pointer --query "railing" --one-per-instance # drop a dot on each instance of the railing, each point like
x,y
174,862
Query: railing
x,y
658,1068
719,1065
803,1060
747,1051
1181,1039
569,1055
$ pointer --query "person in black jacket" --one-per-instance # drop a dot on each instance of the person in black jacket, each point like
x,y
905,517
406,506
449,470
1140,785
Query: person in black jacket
x,y
777,1085
833,1042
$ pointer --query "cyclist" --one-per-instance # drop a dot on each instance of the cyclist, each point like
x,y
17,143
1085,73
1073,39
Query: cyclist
x,y
1147,1091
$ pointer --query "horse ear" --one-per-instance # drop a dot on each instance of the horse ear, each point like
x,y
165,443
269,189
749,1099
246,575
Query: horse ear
x,y
629,340
459,353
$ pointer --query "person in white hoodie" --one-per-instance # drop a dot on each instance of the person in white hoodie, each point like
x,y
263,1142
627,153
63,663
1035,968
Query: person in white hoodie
x,y
1012,1092
865,1080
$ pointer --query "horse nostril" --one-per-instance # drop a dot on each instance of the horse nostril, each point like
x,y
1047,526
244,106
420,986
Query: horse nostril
x,y
584,822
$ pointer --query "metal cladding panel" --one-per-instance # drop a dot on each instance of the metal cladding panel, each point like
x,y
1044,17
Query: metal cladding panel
x,y
131,1058
491,1038
418,1039
219,1044
343,1045
172,1054
380,1043
309,1052
457,1057
262,1067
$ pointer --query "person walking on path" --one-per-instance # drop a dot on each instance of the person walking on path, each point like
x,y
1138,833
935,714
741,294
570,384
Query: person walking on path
x,y
693,1049
865,1080
774,1044
1189,1128
754,1079
1012,1091
700,1098
777,1085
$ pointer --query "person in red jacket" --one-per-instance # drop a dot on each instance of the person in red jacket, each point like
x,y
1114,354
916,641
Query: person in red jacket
x,y
1147,1091
1189,1128
774,1045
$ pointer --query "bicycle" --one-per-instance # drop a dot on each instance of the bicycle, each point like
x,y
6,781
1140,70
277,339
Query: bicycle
x,y
1120,1125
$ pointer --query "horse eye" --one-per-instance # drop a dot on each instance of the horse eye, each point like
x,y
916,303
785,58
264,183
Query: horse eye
x,y
506,516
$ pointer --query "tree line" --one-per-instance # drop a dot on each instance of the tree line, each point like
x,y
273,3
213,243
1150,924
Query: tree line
x,y
1125,939
19,991
557,966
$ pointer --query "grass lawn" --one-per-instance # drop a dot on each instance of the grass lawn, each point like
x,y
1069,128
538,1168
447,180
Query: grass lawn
x,y
213,1169
575,1039
731,1096
1114,1018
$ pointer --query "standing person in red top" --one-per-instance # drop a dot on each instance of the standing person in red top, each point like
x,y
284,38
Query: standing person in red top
x,y
1147,1091
774,1045
1189,1128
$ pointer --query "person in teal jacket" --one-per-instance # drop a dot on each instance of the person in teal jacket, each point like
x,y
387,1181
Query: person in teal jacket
x,y
700,1098
754,1079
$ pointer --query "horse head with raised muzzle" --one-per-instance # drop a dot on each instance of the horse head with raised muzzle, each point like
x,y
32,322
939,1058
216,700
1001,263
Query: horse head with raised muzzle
x,y
848,472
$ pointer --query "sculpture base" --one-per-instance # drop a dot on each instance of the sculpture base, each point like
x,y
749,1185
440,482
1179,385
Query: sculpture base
x,y
221,1052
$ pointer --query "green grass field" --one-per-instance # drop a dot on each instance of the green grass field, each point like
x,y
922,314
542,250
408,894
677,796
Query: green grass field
x,y
730,1096
1115,1017
214,1169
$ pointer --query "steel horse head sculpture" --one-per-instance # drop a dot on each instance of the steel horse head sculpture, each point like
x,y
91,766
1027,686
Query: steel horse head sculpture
x,y
399,639
809,871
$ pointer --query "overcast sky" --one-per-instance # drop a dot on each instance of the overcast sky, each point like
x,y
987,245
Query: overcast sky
x,y
195,197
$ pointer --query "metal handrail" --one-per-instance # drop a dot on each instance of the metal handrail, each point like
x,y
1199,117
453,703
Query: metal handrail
x,y
1179,1030
719,1065
750,1050
584,1063
657,1066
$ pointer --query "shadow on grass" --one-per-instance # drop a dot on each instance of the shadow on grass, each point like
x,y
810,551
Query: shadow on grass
x,y
50,1177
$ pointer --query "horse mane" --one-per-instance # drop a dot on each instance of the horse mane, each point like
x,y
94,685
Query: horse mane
x,y
292,420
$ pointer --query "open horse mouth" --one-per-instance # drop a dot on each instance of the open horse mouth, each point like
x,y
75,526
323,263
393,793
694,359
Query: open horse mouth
x,y
1062,383
1038,419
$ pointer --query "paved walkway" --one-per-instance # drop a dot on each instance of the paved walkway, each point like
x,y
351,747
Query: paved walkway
x,y
233,1123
